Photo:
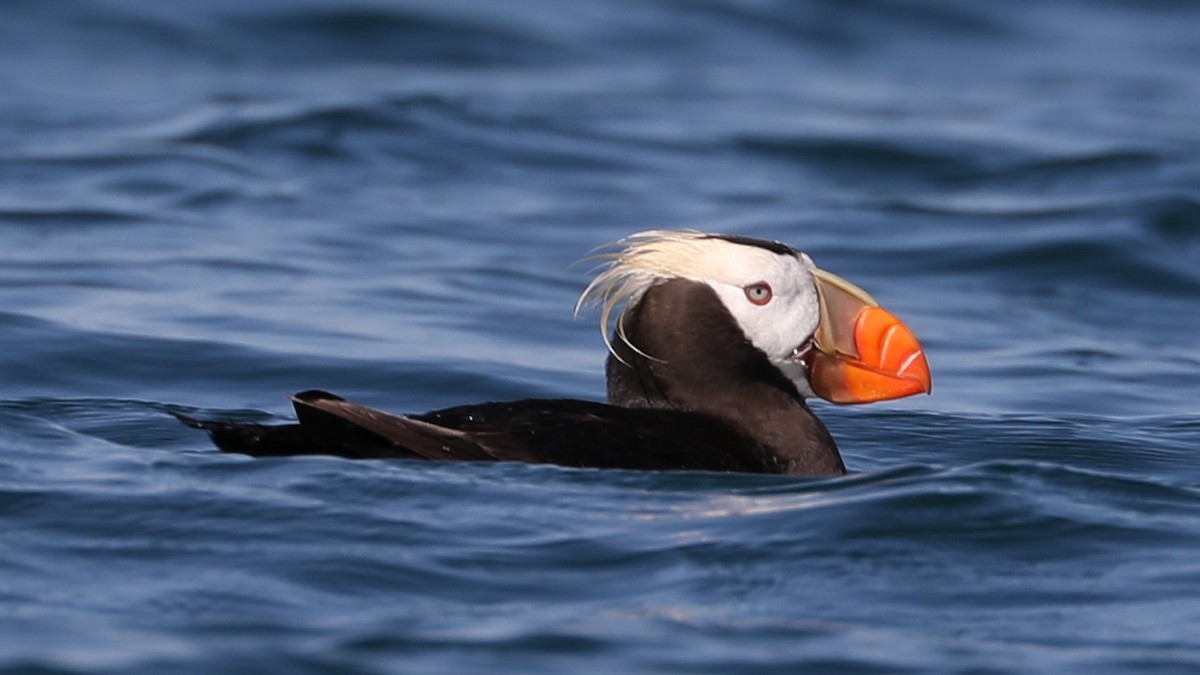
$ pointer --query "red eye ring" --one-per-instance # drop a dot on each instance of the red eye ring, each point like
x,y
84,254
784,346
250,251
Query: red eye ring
x,y
759,293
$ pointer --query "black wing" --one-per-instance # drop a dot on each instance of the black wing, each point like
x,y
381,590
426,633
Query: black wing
x,y
555,431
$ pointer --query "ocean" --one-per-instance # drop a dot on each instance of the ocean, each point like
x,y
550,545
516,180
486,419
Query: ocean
x,y
206,207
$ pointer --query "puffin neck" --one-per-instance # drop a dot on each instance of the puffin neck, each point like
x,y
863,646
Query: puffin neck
x,y
692,356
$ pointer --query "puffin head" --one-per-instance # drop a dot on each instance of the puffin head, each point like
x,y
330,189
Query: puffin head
x,y
827,336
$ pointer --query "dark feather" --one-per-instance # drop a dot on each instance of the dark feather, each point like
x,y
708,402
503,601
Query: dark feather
x,y
716,404
557,431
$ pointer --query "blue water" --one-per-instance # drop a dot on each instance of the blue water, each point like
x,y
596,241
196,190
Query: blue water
x,y
205,207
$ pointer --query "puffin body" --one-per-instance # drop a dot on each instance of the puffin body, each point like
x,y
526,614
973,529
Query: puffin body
x,y
715,345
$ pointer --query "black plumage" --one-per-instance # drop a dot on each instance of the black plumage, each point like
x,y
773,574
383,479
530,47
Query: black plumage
x,y
697,395
716,341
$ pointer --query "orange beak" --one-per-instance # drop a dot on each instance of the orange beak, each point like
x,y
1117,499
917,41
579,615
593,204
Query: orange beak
x,y
861,352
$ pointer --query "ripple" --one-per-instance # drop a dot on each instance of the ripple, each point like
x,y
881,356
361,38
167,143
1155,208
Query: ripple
x,y
313,130
855,156
68,217
379,34
1073,247
1079,168
1175,220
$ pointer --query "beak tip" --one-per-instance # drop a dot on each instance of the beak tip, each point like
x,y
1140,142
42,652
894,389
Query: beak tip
x,y
890,363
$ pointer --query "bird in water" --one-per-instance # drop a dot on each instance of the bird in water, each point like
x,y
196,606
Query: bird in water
x,y
716,343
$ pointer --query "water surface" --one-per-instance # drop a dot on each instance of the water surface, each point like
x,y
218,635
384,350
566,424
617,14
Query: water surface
x,y
205,208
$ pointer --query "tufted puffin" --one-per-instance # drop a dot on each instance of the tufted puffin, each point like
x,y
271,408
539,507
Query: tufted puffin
x,y
716,342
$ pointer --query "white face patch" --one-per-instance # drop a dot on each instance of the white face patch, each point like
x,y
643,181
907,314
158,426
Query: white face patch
x,y
791,315
735,271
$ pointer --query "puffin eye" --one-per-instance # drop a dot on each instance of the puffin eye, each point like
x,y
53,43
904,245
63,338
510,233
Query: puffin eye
x,y
758,293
